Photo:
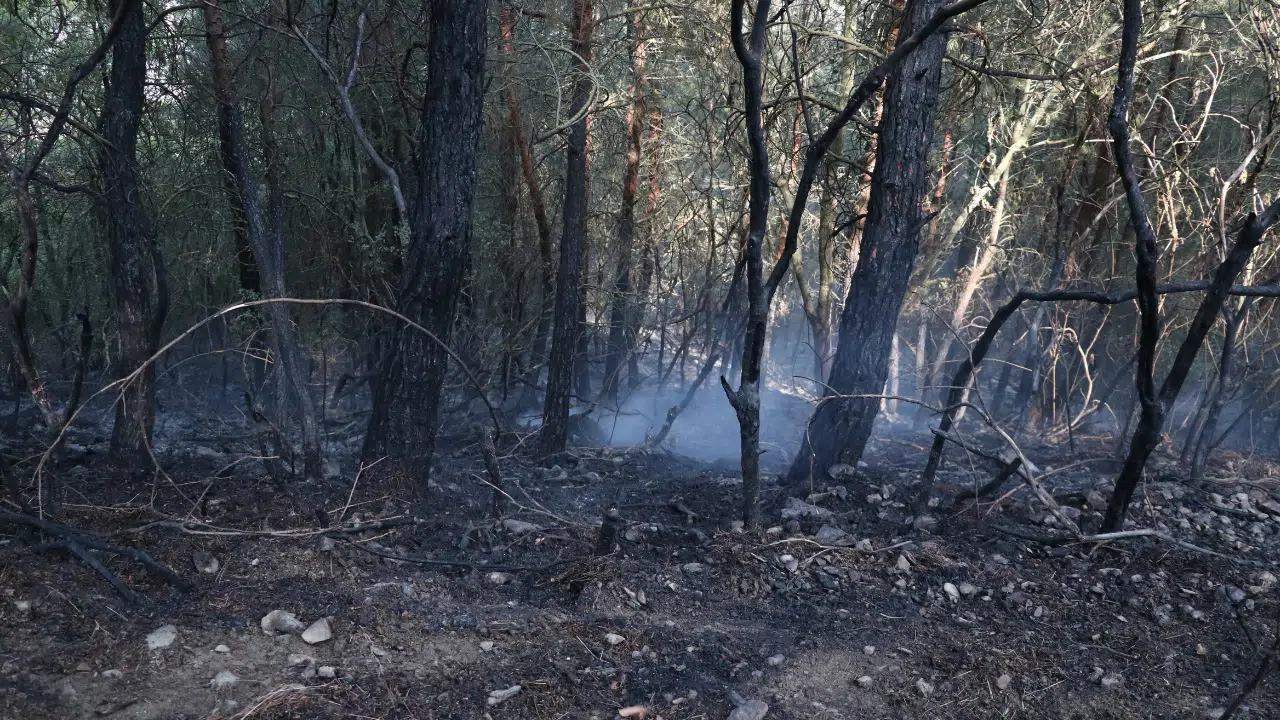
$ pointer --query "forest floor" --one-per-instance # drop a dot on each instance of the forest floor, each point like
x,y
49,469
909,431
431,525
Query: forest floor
x,y
847,611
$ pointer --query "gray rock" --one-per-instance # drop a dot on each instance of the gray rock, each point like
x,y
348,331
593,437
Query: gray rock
x,y
498,578
1003,681
279,621
776,660
162,637
520,527
693,567
797,508
864,681
497,697
842,473
750,710
205,563
223,679
924,688
327,671
830,535
925,523
614,638
1111,681
113,674
318,632
222,649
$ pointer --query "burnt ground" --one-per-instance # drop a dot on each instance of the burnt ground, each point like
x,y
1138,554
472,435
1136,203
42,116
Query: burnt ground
x,y
685,612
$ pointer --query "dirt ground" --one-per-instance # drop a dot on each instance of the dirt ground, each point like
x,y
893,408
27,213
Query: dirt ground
x,y
846,611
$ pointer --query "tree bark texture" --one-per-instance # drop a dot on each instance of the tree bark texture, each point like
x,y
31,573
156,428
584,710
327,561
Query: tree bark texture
x,y
886,257
564,340
406,410
137,268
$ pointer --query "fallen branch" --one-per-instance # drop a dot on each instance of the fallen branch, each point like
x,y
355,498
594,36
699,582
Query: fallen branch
x,y
79,543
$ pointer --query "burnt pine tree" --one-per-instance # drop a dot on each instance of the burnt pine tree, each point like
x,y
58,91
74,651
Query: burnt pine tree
x,y
564,338
266,243
840,428
137,269
406,405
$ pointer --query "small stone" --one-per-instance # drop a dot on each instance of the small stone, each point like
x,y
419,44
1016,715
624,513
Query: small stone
x,y
924,688
222,649
693,567
318,632
22,606
83,668
776,660
952,592
1201,649
904,564
830,535
864,681
497,697
486,646
296,659
868,649
967,589
789,562
750,710
1003,681
737,526
162,637
1236,594
205,562
796,508
498,578
1111,681
223,679
614,639
327,672
520,527
864,545
113,674
842,472
327,544
925,523
279,621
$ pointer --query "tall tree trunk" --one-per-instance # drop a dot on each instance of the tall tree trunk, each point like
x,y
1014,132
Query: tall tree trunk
x,y
886,256
267,246
564,340
406,406
137,269
650,251
622,299
546,266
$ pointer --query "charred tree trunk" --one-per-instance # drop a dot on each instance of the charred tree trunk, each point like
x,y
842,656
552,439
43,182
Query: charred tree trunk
x,y
267,247
568,299
1151,421
886,256
650,251
622,298
137,269
406,405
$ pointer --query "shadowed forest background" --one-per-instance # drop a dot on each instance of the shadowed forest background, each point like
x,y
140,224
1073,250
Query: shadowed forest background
x,y
927,261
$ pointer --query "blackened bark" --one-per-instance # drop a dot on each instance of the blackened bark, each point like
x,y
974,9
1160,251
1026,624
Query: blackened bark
x,y
407,399
622,299
886,256
137,268
267,246
564,340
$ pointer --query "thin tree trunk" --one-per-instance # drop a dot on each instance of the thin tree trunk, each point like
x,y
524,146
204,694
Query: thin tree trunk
x,y
568,297
621,299
268,249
